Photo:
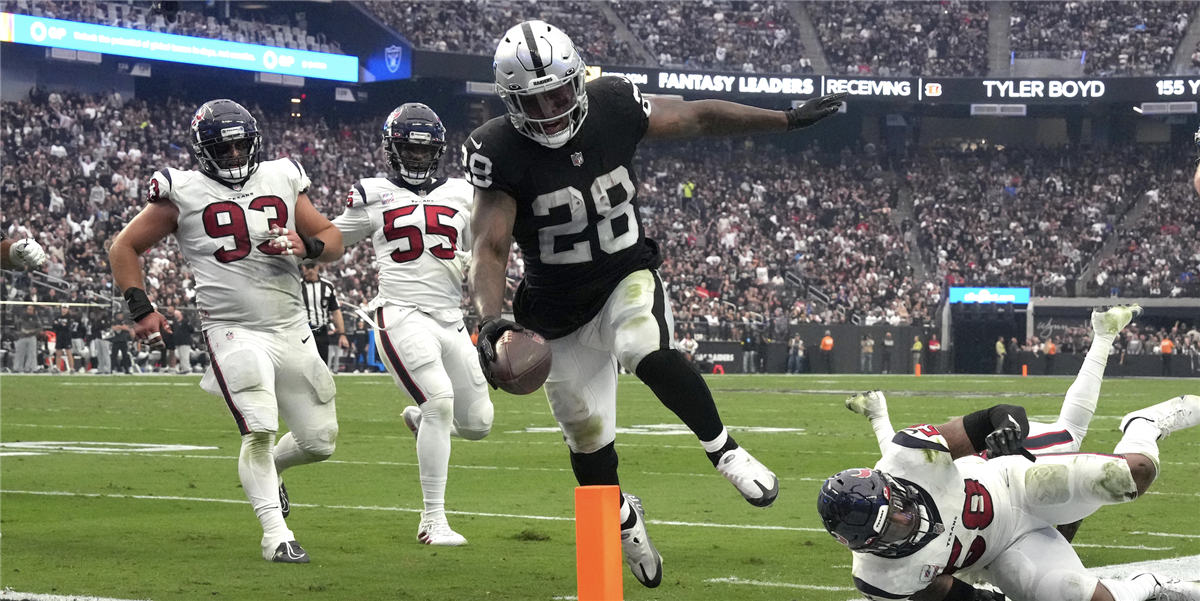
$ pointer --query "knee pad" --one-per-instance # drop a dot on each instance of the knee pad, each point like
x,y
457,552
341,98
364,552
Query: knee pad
x,y
478,421
439,409
258,443
319,442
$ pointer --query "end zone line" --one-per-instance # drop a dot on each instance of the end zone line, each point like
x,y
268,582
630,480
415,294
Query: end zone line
x,y
401,509
9,594
807,587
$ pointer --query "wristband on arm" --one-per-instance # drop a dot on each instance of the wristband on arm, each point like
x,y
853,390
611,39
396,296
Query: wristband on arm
x,y
313,246
981,423
139,304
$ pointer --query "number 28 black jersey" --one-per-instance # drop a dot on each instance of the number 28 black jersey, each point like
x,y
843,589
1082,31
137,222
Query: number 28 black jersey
x,y
577,219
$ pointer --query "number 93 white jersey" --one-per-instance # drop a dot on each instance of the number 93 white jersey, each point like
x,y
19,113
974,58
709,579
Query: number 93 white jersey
x,y
421,236
222,232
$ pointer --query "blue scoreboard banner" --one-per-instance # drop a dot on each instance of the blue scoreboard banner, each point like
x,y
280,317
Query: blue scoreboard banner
x,y
71,35
1003,296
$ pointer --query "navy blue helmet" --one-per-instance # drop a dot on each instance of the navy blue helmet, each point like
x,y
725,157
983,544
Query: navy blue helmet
x,y
868,511
225,141
414,140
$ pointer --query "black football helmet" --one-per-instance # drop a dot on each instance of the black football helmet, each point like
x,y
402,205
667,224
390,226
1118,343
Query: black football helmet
x,y
226,141
868,511
414,140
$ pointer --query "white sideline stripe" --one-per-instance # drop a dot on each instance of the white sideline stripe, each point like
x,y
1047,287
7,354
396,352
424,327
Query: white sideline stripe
x,y
400,509
1167,534
8,594
807,587
1130,547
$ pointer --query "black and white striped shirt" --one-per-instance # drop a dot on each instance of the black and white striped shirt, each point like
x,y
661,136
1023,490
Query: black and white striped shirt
x,y
319,302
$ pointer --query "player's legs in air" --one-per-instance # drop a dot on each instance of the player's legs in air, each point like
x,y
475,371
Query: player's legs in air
x,y
263,376
1064,435
1064,488
635,330
436,365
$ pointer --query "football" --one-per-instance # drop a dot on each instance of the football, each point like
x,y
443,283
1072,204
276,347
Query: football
x,y
522,362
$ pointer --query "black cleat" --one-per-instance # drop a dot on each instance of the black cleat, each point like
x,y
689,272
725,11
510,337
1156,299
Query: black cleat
x,y
290,552
284,505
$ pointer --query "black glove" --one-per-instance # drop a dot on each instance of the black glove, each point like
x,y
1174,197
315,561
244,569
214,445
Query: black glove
x,y
814,110
490,330
987,595
1008,440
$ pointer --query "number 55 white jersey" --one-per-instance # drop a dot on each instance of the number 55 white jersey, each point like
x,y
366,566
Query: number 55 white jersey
x,y
222,232
421,236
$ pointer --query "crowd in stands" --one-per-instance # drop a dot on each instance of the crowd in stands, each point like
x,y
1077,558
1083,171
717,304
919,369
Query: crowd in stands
x,y
269,28
1112,38
1139,338
1010,217
1159,255
903,38
721,35
475,26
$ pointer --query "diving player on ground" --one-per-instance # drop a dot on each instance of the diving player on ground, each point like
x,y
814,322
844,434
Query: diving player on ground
x,y
243,227
418,225
557,174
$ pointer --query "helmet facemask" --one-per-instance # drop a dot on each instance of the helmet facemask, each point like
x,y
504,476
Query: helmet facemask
x,y
232,157
416,157
550,114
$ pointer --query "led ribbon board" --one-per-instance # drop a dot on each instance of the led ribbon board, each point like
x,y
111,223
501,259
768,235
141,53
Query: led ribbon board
x,y
71,35
1002,296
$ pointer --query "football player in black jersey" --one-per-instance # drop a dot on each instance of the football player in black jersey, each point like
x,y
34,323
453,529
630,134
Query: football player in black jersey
x,y
557,174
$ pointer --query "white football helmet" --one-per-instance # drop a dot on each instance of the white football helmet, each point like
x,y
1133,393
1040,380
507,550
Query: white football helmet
x,y
540,78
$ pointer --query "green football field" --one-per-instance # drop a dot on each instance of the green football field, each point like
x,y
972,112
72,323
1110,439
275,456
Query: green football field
x,y
127,488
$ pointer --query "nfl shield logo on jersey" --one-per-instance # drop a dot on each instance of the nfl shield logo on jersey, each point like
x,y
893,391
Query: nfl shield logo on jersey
x,y
929,572
577,159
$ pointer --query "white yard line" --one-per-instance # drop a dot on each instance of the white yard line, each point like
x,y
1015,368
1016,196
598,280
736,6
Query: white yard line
x,y
807,587
11,595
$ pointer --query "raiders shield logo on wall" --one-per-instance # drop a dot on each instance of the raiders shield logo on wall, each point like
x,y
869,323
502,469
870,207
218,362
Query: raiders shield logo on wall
x,y
393,54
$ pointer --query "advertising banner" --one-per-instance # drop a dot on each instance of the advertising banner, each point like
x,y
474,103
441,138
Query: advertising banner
x,y
1004,296
70,35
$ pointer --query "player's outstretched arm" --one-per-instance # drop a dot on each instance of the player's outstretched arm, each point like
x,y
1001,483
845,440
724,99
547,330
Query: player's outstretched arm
x,y
491,226
154,223
674,118
999,430
322,241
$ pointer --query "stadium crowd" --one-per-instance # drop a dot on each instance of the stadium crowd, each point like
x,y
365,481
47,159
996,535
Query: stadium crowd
x,y
903,38
269,28
1159,255
1112,38
990,217
472,27
719,35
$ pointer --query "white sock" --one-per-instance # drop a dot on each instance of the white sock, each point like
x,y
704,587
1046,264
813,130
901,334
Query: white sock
x,y
882,424
717,443
433,453
1080,403
1141,436
289,454
1140,589
625,509
256,469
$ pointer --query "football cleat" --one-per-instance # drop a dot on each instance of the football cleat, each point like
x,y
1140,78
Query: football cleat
x,y
289,552
756,483
284,505
640,555
438,533
868,404
412,418
1176,414
1111,321
1169,589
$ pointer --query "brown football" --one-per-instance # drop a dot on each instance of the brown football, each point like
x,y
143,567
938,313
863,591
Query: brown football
x,y
522,362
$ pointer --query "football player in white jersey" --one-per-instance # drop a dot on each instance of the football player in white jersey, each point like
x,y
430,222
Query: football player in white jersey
x,y
419,225
932,508
243,226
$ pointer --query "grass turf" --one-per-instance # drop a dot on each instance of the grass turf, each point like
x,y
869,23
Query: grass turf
x,y
149,524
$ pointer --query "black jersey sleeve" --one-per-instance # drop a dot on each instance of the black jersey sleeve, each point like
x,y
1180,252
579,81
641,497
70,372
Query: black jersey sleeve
x,y
493,158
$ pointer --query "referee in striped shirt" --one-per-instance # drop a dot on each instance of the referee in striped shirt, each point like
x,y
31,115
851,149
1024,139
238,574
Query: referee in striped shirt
x,y
322,308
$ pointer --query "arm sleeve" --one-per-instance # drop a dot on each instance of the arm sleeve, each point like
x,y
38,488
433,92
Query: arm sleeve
x,y
355,221
981,423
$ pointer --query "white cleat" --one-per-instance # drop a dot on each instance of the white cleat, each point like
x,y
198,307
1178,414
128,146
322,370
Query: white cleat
x,y
412,418
640,555
438,533
1176,414
1111,321
756,483
285,552
1169,589
869,404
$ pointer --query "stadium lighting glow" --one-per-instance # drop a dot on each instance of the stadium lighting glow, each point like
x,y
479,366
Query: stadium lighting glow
x,y
71,35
